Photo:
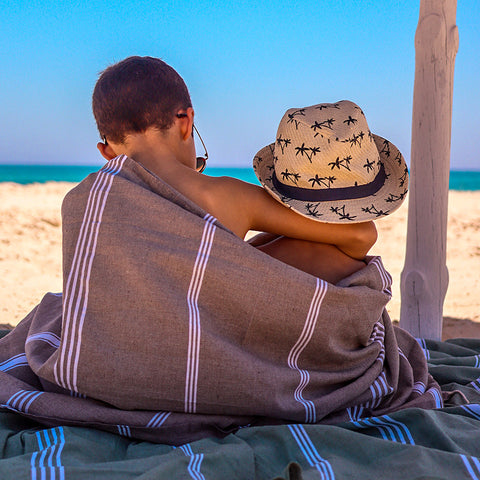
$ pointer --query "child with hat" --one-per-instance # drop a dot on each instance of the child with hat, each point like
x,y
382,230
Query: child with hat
x,y
325,165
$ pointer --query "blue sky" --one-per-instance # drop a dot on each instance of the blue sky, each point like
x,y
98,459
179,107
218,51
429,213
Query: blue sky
x,y
245,63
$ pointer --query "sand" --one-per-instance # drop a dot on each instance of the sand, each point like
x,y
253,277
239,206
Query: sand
x,y
31,254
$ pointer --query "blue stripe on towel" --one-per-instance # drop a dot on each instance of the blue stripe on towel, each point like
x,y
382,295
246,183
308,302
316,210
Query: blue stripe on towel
x,y
195,462
46,462
310,452
14,362
389,429
473,466
423,344
473,410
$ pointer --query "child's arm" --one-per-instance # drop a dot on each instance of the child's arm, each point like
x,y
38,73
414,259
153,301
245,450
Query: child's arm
x,y
319,259
269,215
243,206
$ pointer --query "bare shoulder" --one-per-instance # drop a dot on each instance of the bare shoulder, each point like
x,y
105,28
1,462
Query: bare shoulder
x,y
230,200
233,189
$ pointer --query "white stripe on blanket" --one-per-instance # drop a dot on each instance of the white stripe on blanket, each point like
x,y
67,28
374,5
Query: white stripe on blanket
x,y
194,332
77,286
302,342
47,337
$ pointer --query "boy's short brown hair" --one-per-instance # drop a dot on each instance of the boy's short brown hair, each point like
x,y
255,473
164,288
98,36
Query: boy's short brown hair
x,y
135,94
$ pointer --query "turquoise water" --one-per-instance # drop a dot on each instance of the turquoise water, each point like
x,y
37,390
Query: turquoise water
x,y
25,174
61,173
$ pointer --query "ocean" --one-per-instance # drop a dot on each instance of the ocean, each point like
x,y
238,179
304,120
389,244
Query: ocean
x,y
24,174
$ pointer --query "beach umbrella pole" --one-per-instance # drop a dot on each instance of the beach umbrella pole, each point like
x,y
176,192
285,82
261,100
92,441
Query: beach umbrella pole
x,y
424,278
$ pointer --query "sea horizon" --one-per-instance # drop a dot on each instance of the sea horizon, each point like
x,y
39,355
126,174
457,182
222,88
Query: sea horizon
x,y
462,180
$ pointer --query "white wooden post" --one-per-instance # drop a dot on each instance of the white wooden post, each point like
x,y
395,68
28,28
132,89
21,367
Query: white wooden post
x,y
424,279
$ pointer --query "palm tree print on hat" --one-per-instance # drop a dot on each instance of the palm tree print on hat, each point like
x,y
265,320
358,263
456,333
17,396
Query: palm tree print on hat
x,y
325,124
395,198
296,177
381,164
403,178
325,181
333,105
386,148
369,165
316,180
286,175
344,162
301,150
314,151
331,180
312,210
342,215
283,142
374,211
398,158
355,139
291,116
350,120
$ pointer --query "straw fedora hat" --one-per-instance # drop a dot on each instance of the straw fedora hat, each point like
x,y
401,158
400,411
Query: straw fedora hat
x,y
326,164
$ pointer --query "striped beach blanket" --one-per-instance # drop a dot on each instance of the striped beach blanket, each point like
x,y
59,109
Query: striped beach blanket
x,y
171,329
410,443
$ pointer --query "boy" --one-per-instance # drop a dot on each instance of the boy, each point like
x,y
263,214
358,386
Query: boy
x,y
170,327
143,110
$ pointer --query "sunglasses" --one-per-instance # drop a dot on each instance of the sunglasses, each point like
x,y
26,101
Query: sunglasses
x,y
201,161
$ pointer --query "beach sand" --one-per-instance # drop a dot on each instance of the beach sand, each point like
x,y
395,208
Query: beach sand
x,y
31,255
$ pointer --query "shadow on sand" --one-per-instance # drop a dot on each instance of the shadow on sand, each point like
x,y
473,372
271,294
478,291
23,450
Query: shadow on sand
x,y
457,328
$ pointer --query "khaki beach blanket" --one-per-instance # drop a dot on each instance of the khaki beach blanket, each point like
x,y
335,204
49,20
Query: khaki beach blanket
x,y
170,328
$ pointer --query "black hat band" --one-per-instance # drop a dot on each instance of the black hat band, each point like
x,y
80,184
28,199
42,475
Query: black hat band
x,y
331,194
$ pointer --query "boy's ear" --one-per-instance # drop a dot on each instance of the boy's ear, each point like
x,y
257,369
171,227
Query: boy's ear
x,y
106,151
186,123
